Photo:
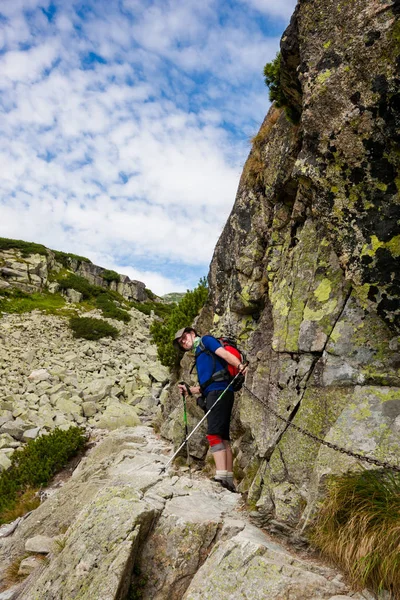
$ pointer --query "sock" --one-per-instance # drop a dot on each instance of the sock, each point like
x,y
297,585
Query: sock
x,y
229,476
220,474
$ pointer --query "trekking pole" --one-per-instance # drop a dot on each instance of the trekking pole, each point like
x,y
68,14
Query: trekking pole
x,y
164,468
186,432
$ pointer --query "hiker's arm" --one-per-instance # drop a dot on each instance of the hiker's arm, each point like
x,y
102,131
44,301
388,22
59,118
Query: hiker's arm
x,y
230,358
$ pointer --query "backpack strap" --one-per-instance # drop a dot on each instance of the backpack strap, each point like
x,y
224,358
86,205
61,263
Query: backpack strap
x,y
221,375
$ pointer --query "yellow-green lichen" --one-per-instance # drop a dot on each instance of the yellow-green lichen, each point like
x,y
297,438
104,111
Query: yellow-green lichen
x,y
370,249
327,44
393,246
386,394
317,315
317,414
323,291
322,77
335,334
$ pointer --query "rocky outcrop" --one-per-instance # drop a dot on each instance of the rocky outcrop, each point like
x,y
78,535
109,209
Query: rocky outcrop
x,y
306,270
49,379
34,273
119,524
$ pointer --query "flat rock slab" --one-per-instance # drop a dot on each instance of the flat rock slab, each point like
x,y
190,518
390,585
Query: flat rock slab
x,y
181,541
100,548
250,566
199,507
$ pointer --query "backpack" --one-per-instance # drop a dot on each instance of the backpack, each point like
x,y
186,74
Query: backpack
x,y
229,372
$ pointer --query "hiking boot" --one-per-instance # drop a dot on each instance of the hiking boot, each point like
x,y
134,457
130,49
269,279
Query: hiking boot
x,y
226,484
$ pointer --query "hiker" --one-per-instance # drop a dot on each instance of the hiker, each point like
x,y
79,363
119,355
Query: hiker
x,y
212,359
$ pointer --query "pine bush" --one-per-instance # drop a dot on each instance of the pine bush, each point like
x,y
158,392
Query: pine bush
x,y
80,284
181,315
37,463
108,308
65,258
26,248
92,329
272,78
109,275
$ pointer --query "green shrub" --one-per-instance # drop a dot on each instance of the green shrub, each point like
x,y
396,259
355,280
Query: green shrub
x,y
92,329
80,284
181,315
26,248
358,527
272,78
108,308
36,463
109,276
159,308
17,301
65,258
150,294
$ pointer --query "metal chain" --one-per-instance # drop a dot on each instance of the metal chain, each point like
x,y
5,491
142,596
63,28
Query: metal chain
x,y
368,459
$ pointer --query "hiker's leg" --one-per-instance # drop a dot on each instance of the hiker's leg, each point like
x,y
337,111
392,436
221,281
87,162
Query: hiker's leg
x,y
229,456
218,430
218,451
220,460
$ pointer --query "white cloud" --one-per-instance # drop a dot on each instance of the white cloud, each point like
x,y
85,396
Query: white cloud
x,y
137,156
282,9
27,65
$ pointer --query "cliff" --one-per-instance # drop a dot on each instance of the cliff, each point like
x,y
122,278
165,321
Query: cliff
x,y
31,271
306,271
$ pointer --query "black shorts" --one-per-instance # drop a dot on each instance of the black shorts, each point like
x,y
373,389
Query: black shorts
x,y
219,418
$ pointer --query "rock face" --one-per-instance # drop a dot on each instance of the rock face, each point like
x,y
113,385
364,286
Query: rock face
x,y
124,529
31,274
306,272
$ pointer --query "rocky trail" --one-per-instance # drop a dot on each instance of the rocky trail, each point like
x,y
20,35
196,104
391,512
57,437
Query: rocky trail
x,y
180,536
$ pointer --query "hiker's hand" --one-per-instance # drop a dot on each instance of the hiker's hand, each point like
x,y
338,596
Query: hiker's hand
x,y
242,367
183,389
195,389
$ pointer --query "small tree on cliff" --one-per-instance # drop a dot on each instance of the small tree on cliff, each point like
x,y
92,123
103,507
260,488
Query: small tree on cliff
x,y
272,78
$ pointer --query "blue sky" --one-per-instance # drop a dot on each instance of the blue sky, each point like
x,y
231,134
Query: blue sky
x,y
125,125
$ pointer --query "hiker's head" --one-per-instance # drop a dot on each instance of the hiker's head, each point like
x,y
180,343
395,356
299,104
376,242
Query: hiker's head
x,y
184,338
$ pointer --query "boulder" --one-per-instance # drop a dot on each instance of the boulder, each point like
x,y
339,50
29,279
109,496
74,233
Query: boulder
x,y
118,415
39,375
28,565
41,544
97,390
5,462
89,409
73,296
68,407
159,373
15,428
30,434
6,441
